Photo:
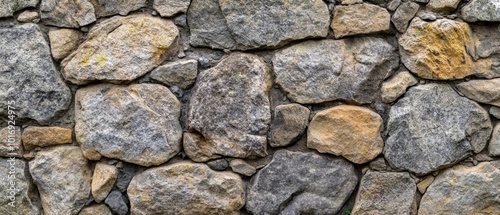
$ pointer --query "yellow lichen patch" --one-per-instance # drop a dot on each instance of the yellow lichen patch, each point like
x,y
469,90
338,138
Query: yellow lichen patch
x,y
85,60
453,181
102,58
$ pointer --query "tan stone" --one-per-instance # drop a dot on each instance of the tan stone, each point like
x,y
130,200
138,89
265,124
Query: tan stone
x,y
63,42
197,148
422,186
350,131
100,209
171,7
242,167
442,5
359,19
10,142
103,180
393,88
45,136
28,16
484,91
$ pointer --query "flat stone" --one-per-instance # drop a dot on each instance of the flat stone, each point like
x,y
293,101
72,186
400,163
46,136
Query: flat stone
x,y
66,189
24,194
241,167
103,180
111,120
112,7
360,19
424,184
230,109
8,7
289,123
348,2
484,91
395,87
348,131
10,144
405,12
186,188
28,76
67,13
28,16
100,209
494,145
116,50
443,6
487,41
481,10
34,136
300,183
393,5
179,73
432,127
116,203
168,8
495,112
219,164
326,70
63,42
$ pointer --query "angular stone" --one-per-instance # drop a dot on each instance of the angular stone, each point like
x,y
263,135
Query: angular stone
x,y
63,42
26,200
405,12
495,112
103,180
424,184
34,136
27,16
111,7
393,5
242,167
67,13
28,77
179,73
386,193
360,19
168,8
433,127
186,188
289,122
349,131
66,189
487,41
8,7
445,6
117,50
395,87
326,70
10,142
464,190
482,10
100,209
219,164
484,91
125,175
378,164
301,183
112,120
494,145
116,203
230,108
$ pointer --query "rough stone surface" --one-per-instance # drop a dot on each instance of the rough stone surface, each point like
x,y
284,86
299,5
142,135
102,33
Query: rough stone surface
x,y
482,10
112,120
484,91
219,164
495,112
359,19
8,7
67,13
230,108
26,200
464,190
326,70
424,184
171,7
349,131
179,73
386,193
27,16
393,5
378,164
445,6
487,41
63,42
28,77
395,87
100,209
494,145
405,12
66,189
34,136
125,175
116,203
111,7
186,188
432,127
242,167
117,50
10,144
289,122
103,180
301,183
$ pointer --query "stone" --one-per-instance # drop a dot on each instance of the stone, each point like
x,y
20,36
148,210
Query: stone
x,y
481,10
116,203
443,6
301,183
378,164
181,20
326,70
8,7
186,188
103,180
27,16
26,200
125,175
179,73
484,91
243,25
386,193
112,7
432,127
63,42
424,184
349,131
66,189
100,209
487,41
219,164
464,190
10,142
168,8
359,19
393,5
395,87
28,77
34,136
241,167
428,17
289,123
197,148
230,109
348,2
117,51
495,112
494,145
67,13
405,12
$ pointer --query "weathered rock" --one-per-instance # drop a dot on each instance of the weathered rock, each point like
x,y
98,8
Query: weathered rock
x,y
230,108
393,5
111,7
219,164
100,209
228,24
494,146
66,189
360,19
27,16
125,175
424,184
289,122
197,148
444,6
21,197
116,203
386,193
118,50
63,42
300,183
179,73
405,12
10,144
464,190
242,167
103,180
111,120
67,13
348,2
171,7
326,70
482,10
28,77
487,41
432,127
186,188
378,164
495,112
8,7
349,131
395,87
484,91
34,136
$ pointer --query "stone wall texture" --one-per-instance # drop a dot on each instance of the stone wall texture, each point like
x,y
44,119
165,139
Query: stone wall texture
x,y
249,107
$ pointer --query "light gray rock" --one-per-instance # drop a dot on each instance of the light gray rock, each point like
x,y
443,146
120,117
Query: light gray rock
x,y
432,127
378,164
28,16
241,167
301,183
100,209
405,12
487,41
10,142
168,8
484,91
111,7
495,112
482,10
327,70
494,145
111,120
395,87
28,77
67,13
116,203
348,2
289,122
443,6
393,5
358,19
179,73
8,7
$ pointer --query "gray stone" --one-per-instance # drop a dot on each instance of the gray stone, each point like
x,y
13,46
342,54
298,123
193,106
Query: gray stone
x,y
241,167
378,164
111,120
326,70
28,77
358,19
301,183
21,198
487,41
482,10
111,7
10,142
494,145
125,175
495,112
171,7
116,203
181,20
348,2
428,17
403,15
395,87
432,127
28,16
67,13
443,6
8,7
100,209
484,91
219,164
289,122
393,5
179,73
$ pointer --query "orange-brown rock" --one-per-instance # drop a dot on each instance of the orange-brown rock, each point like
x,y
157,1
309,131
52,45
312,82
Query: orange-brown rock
x,y
45,136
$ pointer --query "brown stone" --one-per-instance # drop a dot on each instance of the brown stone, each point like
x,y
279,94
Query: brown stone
x,y
10,142
103,180
45,136
484,91
100,209
63,42
422,186
358,19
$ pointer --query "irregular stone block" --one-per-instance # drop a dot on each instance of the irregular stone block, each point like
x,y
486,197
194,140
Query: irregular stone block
x,y
482,10
241,167
111,7
395,87
100,209
34,136
494,145
289,122
63,42
171,7
179,73
67,13
28,16
484,91
443,6
116,203
8,7
360,19
103,180
405,12
10,142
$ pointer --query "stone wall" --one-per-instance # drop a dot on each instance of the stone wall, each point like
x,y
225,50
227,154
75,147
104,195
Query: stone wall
x,y
249,107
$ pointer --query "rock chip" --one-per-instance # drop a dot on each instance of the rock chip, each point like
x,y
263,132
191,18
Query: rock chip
x,y
358,19
137,123
116,203
424,184
63,42
443,6
186,188
100,209
34,136
118,50
179,73
482,10
168,8
66,189
242,167
432,127
326,70
8,7
67,13
301,183
484,91
103,180
111,7
494,146
21,198
395,87
27,16
289,122
10,144
405,12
